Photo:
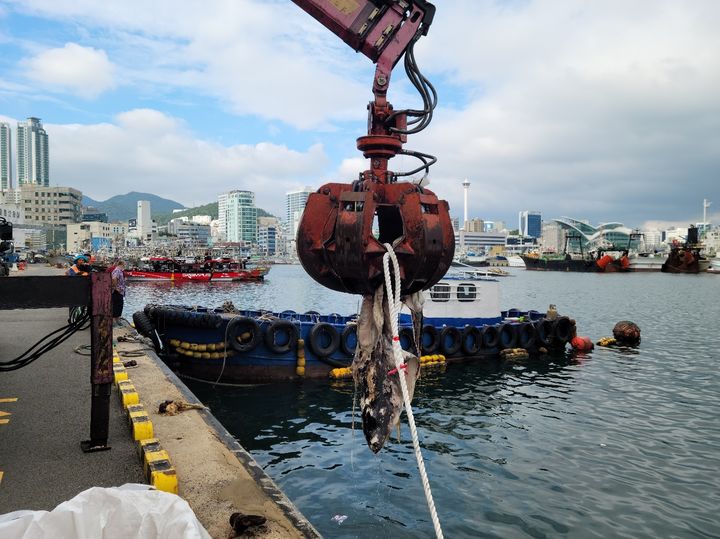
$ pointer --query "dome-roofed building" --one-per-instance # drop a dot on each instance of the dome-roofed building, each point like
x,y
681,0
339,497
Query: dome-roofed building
x,y
606,236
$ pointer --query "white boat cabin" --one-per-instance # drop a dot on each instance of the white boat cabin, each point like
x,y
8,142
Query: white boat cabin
x,y
461,299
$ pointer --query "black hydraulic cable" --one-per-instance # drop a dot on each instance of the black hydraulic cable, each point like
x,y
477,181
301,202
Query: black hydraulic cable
x,y
425,89
422,157
41,347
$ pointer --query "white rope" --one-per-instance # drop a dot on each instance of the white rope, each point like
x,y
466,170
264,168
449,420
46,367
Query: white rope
x,y
393,298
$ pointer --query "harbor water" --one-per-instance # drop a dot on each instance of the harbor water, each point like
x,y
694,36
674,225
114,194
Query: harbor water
x,y
610,443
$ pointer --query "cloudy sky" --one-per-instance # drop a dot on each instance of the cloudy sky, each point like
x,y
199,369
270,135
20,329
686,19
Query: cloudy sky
x,y
602,110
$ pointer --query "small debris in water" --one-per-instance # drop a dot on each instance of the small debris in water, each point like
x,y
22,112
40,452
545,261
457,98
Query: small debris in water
x,y
339,518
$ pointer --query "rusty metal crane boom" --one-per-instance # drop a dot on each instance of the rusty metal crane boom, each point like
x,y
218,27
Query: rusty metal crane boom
x,y
336,244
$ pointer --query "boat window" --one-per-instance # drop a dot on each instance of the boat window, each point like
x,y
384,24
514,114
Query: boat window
x,y
466,292
440,292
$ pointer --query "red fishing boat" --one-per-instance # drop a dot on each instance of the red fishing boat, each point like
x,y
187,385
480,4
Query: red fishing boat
x,y
194,270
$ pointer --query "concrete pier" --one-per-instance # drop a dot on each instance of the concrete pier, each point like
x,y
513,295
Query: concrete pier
x,y
45,413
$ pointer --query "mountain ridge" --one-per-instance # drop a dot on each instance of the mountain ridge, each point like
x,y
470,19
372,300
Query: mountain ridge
x,y
124,207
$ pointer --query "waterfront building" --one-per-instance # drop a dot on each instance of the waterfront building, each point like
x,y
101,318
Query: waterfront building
x,y
89,236
189,232
479,242
475,225
652,238
608,236
144,223
552,239
33,153
295,202
201,219
268,232
93,214
237,214
530,223
51,205
6,176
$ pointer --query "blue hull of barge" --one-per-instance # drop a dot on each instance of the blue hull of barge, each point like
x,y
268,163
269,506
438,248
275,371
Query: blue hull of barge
x,y
260,346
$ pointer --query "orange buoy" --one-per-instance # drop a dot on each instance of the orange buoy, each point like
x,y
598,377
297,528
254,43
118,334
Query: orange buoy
x,y
582,343
604,261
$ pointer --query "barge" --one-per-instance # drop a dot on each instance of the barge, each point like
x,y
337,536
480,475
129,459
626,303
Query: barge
x,y
463,321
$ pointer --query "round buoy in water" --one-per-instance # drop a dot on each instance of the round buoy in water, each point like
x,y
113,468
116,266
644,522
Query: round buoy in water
x,y
582,343
627,333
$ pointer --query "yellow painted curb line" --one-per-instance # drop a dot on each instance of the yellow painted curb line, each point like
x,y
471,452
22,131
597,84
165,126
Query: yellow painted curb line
x,y
159,471
156,464
142,427
128,395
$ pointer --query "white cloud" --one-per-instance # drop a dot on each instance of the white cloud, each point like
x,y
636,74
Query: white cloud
x,y
265,59
148,151
606,110
83,70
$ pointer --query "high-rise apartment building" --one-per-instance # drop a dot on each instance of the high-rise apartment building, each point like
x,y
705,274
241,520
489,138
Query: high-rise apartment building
x,y
237,215
295,202
33,154
530,224
5,157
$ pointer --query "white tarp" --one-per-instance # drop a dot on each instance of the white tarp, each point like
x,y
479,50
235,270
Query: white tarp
x,y
131,510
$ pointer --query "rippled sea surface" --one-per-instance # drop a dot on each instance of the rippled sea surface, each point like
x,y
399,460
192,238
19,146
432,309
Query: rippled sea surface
x,y
607,444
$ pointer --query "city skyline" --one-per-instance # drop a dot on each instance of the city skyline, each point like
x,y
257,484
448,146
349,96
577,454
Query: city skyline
x,y
540,106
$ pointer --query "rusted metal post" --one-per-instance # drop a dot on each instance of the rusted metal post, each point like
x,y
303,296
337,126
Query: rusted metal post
x,y
101,371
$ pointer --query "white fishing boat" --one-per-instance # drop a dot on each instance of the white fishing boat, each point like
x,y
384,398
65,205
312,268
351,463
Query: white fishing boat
x,y
646,262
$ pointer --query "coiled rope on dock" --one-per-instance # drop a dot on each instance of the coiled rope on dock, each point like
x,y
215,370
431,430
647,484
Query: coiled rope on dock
x,y
394,304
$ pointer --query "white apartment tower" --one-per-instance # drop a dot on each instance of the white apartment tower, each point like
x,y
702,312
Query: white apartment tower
x,y
33,162
5,157
295,202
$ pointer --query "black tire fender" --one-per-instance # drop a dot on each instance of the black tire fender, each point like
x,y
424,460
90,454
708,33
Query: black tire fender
x,y
472,340
434,337
508,335
318,333
563,330
348,335
545,331
407,334
146,328
450,341
527,335
281,327
243,334
143,325
490,336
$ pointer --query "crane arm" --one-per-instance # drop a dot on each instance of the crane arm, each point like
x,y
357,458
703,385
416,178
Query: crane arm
x,y
380,29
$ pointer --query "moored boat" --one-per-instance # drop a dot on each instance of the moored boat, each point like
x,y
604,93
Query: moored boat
x,y
194,270
686,257
646,262
462,321
604,263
